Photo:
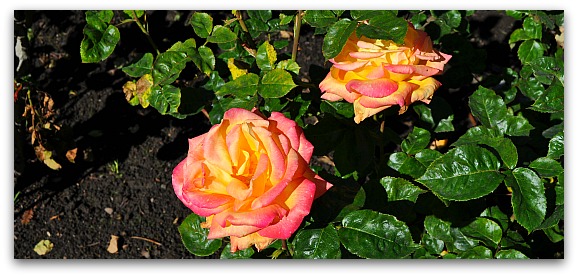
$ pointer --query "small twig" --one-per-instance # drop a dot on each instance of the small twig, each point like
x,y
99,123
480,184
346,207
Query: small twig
x,y
206,114
250,41
296,31
145,31
145,239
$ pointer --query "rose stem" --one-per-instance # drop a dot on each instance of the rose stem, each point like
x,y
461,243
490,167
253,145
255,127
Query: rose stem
x,y
296,31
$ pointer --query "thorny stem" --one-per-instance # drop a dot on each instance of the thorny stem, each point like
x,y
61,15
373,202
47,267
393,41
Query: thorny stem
x,y
296,31
145,32
250,41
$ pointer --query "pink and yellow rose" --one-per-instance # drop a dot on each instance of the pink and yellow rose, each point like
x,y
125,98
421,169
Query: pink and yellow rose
x,y
376,74
250,177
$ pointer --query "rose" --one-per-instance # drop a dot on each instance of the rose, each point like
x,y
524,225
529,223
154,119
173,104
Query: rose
x,y
250,177
376,74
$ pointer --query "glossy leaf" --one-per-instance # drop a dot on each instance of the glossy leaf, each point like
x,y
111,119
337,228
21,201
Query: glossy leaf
x,y
432,245
166,99
276,83
464,173
415,141
552,100
244,85
360,15
528,197
478,252
530,50
266,56
317,244
319,18
239,254
195,237
546,167
482,135
344,109
221,34
289,65
556,146
400,189
202,24
336,37
427,156
374,235
168,67
385,26
285,19
553,219
262,15
141,67
510,254
485,230
453,238
497,215
548,69
406,164
100,38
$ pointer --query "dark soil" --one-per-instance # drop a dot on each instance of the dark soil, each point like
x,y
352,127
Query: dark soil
x,y
80,207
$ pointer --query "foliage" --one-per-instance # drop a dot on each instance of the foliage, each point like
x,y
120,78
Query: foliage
x,y
477,174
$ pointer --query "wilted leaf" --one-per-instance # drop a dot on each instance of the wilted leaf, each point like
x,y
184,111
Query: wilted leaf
x,y
43,247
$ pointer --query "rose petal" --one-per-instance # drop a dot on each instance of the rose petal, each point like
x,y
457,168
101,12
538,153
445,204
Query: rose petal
x,y
205,204
245,242
372,88
420,70
426,89
366,55
336,87
215,149
299,200
399,97
349,66
361,112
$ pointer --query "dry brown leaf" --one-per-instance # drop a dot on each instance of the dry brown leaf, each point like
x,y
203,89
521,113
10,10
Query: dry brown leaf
x,y
27,216
71,155
326,160
113,245
286,34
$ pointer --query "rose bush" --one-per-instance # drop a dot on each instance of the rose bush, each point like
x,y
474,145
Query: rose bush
x,y
376,74
250,177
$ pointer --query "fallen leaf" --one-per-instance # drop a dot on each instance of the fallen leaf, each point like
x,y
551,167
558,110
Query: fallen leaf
x,y
113,245
27,216
43,247
286,34
71,154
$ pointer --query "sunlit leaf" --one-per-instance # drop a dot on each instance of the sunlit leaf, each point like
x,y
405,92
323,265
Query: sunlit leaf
x,y
337,35
194,237
415,141
276,83
317,244
202,24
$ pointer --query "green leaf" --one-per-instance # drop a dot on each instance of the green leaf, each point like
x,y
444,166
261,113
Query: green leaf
x,y
445,125
100,38
482,135
553,219
451,18
415,141
554,233
168,67
385,26
317,244
319,18
497,215
556,146
239,254
485,230
530,87
221,34
532,27
491,111
453,238
400,189
256,27
548,69
361,15
427,156
131,14
206,63
406,164
202,24
374,235
464,173
432,245
195,237
285,19
488,108
289,65
516,14
342,108
478,252
528,197
510,254
530,50
276,83
141,67
266,56
166,99
552,100
244,85
336,37
262,15
546,167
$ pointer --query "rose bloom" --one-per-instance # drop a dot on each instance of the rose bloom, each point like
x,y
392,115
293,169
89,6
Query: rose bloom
x,y
250,177
376,74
